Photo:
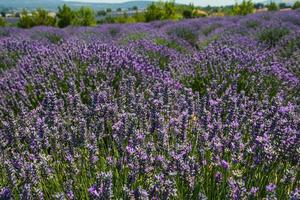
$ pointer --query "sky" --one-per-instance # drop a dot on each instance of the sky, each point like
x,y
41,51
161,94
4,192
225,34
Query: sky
x,y
195,2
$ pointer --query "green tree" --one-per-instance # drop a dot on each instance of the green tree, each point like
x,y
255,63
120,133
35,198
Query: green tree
x,y
119,9
3,13
272,6
187,14
246,7
25,21
169,10
2,22
283,5
41,18
65,16
84,17
153,12
139,17
101,13
296,5
258,5
161,11
108,10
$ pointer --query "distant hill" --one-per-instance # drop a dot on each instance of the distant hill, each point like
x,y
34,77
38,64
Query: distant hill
x,y
53,4
288,2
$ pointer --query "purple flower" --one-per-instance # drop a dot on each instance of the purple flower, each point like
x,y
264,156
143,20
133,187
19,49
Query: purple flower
x,y
271,187
224,164
253,191
5,194
93,192
218,177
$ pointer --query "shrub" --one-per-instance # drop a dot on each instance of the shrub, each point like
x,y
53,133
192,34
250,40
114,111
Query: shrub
x,y
169,10
271,36
52,37
296,5
101,13
25,21
272,6
160,11
283,5
132,37
290,47
170,44
139,17
153,12
2,22
252,24
84,17
246,7
41,18
65,16
187,14
186,34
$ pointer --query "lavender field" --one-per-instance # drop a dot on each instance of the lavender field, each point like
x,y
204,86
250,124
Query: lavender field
x,y
194,109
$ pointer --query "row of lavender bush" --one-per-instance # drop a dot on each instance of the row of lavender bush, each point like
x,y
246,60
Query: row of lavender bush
x,y
196,109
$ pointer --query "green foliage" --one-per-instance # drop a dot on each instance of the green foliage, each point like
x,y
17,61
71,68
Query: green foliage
x,y
271,36
169,10
25,21
84,17
252,24
160,60
187,14
65,16
283,5
272,6
161,11
204,43
108,19
38,18
153,12
170,44
132,37
53,38
290,47
2,22
245,8
186,34
41,18
8,60
139,17
101,13
296,5
2,14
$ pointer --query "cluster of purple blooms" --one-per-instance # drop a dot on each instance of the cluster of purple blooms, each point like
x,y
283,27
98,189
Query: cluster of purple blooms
x,y
196,109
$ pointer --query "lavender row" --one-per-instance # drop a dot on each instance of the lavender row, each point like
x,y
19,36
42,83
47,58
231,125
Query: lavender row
x,y
197,109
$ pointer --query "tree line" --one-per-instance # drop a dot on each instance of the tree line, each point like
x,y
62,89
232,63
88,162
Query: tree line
x,y
85,16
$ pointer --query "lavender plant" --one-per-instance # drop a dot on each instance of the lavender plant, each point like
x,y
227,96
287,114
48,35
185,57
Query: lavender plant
x,y
139,111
